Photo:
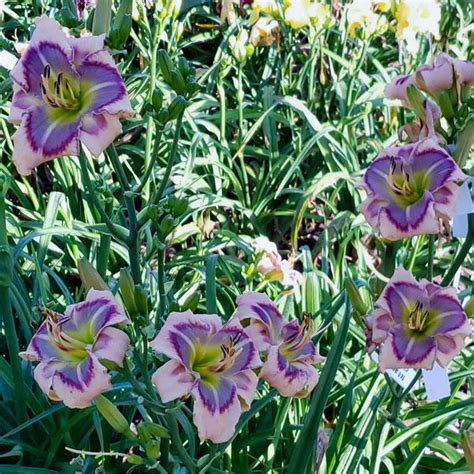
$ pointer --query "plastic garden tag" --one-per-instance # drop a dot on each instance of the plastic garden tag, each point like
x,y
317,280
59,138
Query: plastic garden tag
x,y
402,377
464,206
436,383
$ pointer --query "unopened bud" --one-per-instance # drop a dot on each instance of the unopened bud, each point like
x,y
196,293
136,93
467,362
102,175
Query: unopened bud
x,y
157,99
127,290
163,115
417,101
90,276
166,65
167,224
177,82
177,206
177,107
355,297
113,416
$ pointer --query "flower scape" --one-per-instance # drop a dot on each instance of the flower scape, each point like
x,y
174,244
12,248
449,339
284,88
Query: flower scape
x,y
236,236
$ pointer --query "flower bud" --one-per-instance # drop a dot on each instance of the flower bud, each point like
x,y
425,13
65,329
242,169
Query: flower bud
x,y
184,67
177,82
177,206
469,308
141,300
152,450
355,297
127,290
177,107
166,224
113,416
166,65
163,115
157,99
90,276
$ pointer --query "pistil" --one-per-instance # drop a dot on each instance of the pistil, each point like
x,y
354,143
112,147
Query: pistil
x,y
302,337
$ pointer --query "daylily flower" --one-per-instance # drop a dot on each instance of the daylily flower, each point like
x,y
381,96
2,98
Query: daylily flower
x,y
65,90
416,324
361,14
269,262
415,17
70,349
264,32
211,362
228,14
81,5
290,353
301,13
409,188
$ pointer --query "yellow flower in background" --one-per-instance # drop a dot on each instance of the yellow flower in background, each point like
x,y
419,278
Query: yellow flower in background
x,y
268,7
382,5
361,15
415,17
301,13
264,32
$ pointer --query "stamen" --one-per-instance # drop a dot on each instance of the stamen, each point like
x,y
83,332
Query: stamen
x,y
418,317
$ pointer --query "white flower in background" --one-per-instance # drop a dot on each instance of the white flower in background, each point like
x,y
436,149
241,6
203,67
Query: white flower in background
x,y
361,14
301,13
417,17
265,32
268,7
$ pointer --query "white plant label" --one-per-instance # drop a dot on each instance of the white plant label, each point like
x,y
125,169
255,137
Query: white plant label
x,y
436,383
403,377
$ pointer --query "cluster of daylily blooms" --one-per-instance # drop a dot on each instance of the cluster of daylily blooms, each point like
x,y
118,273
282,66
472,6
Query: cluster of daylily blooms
x,y
67,90
412,189
215,363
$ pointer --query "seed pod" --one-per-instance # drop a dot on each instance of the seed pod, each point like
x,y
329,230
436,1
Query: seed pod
x,y
177,82
166,65
157,99
177,107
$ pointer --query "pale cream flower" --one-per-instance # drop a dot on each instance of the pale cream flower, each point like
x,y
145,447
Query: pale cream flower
x,y
227,12
415,17
264,32
361,14
301,13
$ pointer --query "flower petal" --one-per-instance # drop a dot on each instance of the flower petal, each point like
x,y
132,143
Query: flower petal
x,y
216,410
296,379
21,102
182,331
111,344
38,140
102,87
447,316
99,131
172,380
402,298
247,357
85,46
246,382
435,165
87,319
258,307
400,351
48,45
397,89
448,347
78,385
398,222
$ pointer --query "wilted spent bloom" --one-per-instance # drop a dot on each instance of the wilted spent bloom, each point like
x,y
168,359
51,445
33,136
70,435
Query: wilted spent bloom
x,y
301,13
442,75
416,324
211,362
288,350
265,32
70,349
228,14
269,260
416,17
66,90
409,189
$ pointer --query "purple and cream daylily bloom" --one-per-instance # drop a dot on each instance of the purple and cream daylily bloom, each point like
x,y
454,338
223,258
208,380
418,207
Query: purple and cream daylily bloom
x,y
290,353
416,324
65,91
211,362
409,188
70,348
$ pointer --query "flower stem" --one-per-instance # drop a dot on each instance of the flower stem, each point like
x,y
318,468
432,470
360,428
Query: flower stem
x,y
171,159
459,259
161,285
6,270
431,252
176,440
